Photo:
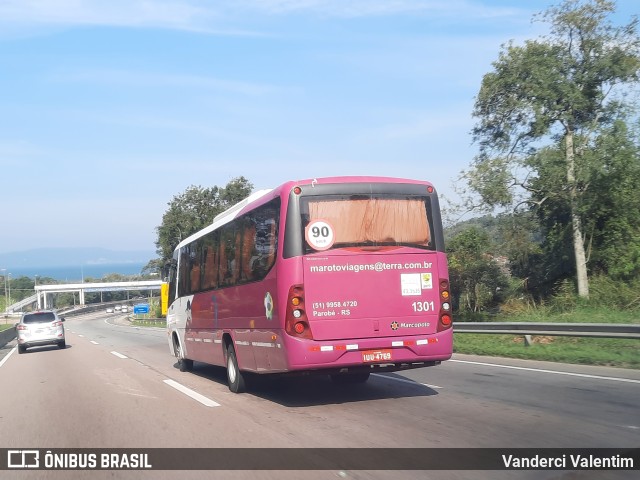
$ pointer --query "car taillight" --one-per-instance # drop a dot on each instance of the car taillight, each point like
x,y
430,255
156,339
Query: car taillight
x,y
56,324
445,319
296,322
21,327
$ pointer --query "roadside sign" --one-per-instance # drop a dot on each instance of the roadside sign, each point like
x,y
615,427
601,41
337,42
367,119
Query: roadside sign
x,y
141,308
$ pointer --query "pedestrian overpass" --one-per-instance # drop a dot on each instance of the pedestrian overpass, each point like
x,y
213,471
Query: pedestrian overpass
x,y
43,292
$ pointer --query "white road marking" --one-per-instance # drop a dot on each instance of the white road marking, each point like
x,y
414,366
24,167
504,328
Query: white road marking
x,y
140,395
207,402
6,357
94,342
406,381
119,355
80,335
555,372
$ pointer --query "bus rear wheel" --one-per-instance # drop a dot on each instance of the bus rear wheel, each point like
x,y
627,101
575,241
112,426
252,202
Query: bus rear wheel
x,y
235,377
350,378
184,364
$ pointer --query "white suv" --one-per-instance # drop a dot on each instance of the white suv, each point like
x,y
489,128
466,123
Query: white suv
x,y
40,328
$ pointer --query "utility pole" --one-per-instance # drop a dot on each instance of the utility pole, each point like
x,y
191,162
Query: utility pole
x,y
5,289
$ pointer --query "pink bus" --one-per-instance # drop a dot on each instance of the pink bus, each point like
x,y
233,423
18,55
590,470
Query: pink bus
x,y
343,276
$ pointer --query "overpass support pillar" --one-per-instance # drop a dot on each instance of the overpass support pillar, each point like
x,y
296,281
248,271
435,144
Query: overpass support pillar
x,y
82,296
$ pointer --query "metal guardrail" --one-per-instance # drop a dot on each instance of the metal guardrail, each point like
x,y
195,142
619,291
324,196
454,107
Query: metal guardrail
x,y
598,330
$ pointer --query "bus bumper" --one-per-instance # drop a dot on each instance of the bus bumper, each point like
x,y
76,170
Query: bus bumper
x,y
385,354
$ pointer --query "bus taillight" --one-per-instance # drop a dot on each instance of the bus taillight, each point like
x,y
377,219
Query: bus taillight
x,y
296,323
445,306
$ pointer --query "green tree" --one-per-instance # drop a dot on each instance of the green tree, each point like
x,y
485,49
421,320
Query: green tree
x,y
609,208
476,277
614,218
153,267
559,90
21,288
194,209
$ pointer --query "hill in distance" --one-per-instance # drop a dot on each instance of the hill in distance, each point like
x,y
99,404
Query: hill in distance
x,y
64,256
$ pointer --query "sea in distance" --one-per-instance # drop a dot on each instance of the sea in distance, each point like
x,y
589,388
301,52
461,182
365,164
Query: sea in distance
x,y
79,273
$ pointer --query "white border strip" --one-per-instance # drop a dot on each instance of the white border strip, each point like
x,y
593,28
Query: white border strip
x,y
6,357
207,402
119,355
556,372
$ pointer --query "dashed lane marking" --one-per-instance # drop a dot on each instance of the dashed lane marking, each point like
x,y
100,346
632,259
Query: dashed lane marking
x,y
195,395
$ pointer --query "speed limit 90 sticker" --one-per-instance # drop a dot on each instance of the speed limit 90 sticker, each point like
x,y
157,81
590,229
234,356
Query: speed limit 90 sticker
x,y
319,235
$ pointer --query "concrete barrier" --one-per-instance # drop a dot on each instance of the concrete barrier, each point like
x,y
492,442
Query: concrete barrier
x,y
7,335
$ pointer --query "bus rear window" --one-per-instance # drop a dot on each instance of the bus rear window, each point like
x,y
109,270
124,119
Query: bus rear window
x,y
361,221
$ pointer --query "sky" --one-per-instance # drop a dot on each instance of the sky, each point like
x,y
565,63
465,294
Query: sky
x,y
110,108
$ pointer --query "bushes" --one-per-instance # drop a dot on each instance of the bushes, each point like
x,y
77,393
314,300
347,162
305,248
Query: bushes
x,y
603,291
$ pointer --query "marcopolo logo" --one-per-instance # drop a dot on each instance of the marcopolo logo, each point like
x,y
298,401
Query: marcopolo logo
x,y
23,459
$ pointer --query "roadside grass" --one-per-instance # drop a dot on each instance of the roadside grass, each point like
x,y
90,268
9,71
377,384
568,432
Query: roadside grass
x,y
624,353
610,352
149,322
5,326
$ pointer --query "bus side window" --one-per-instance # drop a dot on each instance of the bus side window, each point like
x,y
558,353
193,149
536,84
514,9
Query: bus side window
x,y
172,277
184,285
225,240
211,261
195,258
272,240
248,247
265,242
237,256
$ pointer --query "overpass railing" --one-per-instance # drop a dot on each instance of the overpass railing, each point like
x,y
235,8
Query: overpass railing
x,y
16,307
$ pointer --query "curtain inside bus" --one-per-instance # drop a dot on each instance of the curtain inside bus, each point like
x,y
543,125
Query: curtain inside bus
x,y
374,220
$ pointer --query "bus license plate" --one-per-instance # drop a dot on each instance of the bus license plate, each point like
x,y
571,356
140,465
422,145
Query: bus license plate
x,y
376,355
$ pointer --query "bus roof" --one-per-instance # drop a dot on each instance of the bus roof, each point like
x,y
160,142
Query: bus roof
x,y
225,217
232,212
357,179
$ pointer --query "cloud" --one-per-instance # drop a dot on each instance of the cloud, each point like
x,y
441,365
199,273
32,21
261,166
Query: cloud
x,y
91,12
422,125
17,148
147,79
163,14
217,17
365,8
